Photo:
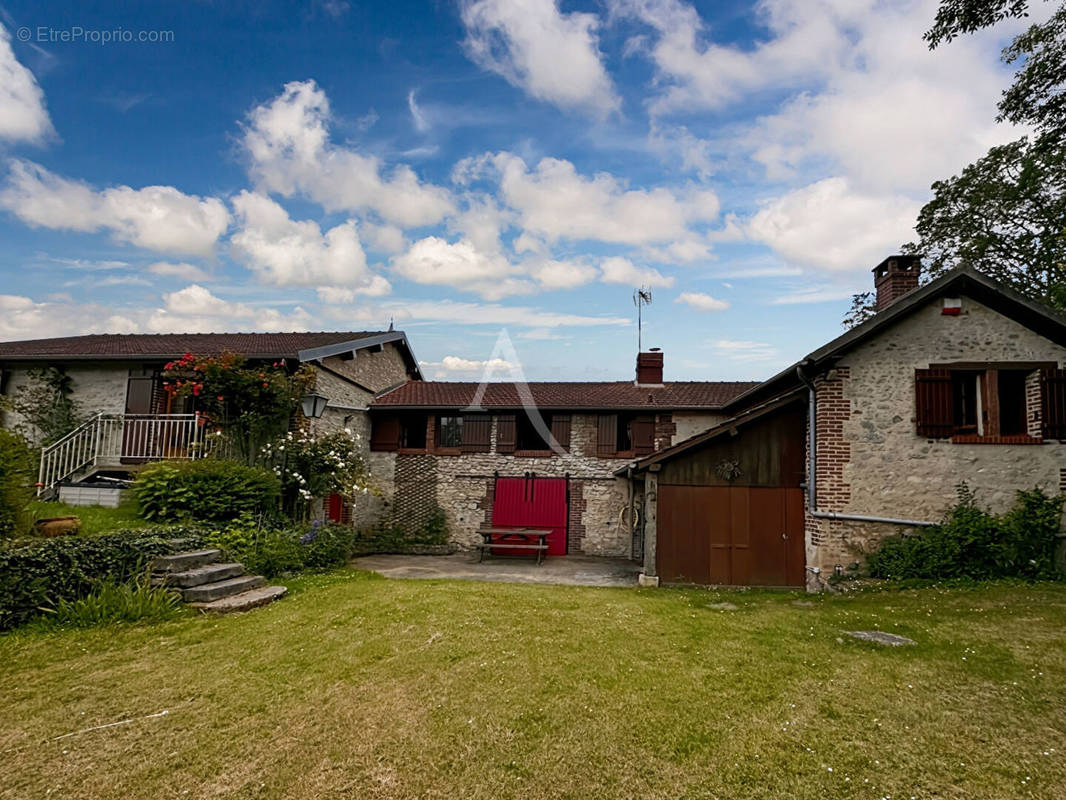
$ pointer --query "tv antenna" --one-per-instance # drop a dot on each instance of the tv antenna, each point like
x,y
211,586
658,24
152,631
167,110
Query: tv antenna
x,y
641,298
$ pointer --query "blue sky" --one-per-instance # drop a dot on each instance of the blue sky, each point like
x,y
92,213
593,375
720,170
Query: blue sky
x,y
468,167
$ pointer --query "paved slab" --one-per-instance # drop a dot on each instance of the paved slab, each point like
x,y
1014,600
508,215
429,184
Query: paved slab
x,y
566,570
889,639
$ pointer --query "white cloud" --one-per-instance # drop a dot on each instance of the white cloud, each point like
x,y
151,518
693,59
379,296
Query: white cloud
x,y
461,265
420,311
285,252
804,43
621,270
822,293
156,218
417,117
383,238
287,141
552,56
188,272
23,116
893,115
830,227
454,366
561,274
701,301
741,350
196,309
553,201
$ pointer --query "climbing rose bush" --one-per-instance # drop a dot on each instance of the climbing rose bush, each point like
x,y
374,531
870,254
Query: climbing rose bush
x,y
248,405
311,466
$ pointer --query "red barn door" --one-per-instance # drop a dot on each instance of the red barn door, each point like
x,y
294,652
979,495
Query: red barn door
x,y
533,502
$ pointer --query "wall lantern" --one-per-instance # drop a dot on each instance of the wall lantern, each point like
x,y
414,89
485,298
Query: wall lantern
x,y
314,405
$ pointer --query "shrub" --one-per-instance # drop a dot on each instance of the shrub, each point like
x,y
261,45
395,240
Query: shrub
x,y
16,484
972,543
273,551
112,602
311,465
43,573
208,490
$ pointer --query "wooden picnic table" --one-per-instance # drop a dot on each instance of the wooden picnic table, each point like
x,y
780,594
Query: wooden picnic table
x,y
535,539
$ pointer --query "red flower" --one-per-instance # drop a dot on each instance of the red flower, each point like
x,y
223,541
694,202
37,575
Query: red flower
x,y
220,399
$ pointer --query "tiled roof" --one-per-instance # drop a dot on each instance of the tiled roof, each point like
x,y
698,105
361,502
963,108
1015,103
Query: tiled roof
x,y
615,394
171,345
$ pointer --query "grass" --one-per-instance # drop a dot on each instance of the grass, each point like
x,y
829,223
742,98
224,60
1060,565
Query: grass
x,y
361,687
95,520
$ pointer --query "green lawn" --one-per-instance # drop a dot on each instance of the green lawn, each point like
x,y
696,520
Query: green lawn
x,y
360,687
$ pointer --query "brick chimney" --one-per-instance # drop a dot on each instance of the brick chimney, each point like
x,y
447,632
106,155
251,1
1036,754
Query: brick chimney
x,y
894,277
650,368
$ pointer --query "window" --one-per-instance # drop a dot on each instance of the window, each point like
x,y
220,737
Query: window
x,y
413,431
449,431
527,436
985,402
625,434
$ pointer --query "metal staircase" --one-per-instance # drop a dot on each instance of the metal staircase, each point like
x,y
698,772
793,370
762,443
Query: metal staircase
x,y
120,441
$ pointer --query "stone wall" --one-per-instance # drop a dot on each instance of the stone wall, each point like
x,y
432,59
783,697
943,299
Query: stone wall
x,y
96,387
464,489
870,458
354,383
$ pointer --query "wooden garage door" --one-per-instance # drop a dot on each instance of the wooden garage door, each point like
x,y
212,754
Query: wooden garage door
x,y
734,535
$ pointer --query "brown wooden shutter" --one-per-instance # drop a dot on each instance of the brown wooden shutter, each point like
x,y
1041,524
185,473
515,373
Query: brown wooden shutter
x,y
505,433
384,433
477,433
933,403
561,430
607,435
642,432
1053,403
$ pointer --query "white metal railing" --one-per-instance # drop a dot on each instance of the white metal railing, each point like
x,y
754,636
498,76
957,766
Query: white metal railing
x,y
116,439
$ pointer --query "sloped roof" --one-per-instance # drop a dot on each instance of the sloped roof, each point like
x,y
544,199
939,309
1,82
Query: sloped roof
x,y
702,395
173,345
729,426
960,282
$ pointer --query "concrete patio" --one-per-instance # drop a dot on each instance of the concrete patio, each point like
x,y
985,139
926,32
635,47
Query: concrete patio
x,y
566,570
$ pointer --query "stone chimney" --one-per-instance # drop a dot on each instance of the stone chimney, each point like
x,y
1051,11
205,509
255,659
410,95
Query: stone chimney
x,y
650,368
894,277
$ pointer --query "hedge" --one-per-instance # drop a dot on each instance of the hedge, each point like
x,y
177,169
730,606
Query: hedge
x,y
39,574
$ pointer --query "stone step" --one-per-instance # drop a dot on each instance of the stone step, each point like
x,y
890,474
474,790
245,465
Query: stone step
x,y
211,573
215,591
182,562
244,601
180,545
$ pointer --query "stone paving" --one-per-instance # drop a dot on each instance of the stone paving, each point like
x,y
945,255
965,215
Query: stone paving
x,y
566,570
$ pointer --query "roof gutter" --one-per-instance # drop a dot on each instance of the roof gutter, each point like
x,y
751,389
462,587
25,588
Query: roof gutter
x,y
812,468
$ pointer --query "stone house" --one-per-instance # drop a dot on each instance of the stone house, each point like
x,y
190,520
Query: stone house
x,y
538,454
960,380
116,380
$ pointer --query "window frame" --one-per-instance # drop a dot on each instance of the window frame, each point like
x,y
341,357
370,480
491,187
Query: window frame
x,y
987,400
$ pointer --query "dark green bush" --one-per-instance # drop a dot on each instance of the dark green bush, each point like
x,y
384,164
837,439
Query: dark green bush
x,y
209,490
43,573
16,483
972,543
274,551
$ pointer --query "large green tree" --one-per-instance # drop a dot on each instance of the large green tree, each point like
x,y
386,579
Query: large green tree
x,y
1005,214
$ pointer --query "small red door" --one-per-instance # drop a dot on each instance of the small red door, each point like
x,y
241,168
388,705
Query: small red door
x,y
533,502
